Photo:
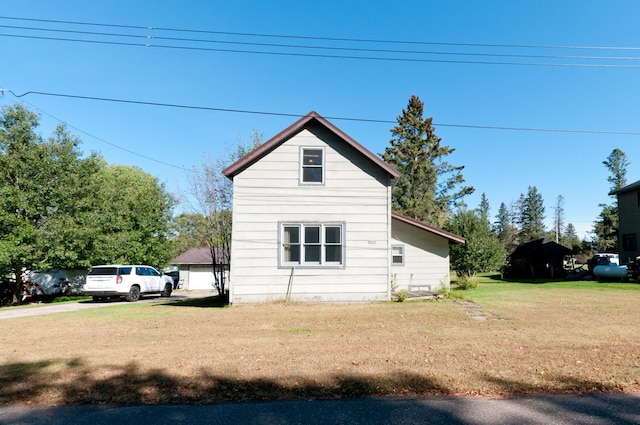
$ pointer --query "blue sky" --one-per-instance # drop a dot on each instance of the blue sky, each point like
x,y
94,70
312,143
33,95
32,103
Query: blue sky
x,y
505,93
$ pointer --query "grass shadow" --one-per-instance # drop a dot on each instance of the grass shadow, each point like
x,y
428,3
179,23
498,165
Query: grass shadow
x,y
531,281
551,384
215,301
58,382
70,382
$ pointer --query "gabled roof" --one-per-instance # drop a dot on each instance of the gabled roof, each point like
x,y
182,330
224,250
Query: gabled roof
x,y
295,128
436,231
627,188
540,248
199,256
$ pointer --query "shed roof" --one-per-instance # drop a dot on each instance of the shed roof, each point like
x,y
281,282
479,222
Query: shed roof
x,y
295,128
540,248
627,188
420,225
199,256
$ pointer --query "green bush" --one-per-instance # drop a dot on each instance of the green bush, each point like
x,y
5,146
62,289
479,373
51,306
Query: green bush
x,y
467,282
401,296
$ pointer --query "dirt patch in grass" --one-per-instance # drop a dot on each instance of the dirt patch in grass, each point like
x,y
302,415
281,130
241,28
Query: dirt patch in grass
x,y
535,339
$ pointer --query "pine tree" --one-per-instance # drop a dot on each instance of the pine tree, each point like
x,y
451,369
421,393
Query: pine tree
x,y
484,207
606,226
533,216
426,189
504,229
570,238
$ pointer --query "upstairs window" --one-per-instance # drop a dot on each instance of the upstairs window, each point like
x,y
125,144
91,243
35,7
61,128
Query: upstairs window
x,y
311,244
312,165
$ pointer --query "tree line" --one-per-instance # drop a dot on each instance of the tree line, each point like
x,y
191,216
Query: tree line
x,y
60,210
432,190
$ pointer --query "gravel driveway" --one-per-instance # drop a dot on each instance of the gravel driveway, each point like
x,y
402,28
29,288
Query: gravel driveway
x,y
42,309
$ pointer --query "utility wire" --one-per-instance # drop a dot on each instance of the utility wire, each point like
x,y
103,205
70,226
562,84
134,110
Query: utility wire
x,y
310,47
327,56
103,140
281,114
149,44
302,37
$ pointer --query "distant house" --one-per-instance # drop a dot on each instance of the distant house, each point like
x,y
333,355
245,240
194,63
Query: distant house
x,y
195,267
541,258
628,221
312,221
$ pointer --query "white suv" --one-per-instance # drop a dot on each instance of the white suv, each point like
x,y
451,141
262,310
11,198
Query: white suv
x,y
130,281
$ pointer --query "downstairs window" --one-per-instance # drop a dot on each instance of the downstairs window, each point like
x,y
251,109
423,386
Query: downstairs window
x,y
311,244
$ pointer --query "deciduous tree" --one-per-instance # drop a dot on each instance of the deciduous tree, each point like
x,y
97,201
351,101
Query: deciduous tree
x,y
43,198
482,251
211,204
558,218
132,218
59,210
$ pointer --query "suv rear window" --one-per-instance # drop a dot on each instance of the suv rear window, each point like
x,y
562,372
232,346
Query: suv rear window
x,y
103,271
109,271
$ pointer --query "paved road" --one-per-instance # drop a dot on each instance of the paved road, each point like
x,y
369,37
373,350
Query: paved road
x,y
593,409
41,309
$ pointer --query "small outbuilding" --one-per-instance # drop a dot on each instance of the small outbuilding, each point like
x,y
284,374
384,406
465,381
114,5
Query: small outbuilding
x,y
541,258
195,267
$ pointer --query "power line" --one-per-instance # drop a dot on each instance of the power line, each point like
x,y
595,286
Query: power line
x,y
327,56
150,38
302,37
333,118
105,141
309,47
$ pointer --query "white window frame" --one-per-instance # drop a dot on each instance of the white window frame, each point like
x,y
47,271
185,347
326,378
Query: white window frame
x,y
402,255
323,263
303,166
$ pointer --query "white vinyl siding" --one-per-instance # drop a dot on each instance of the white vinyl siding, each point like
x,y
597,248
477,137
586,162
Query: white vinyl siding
x,y
199,277
426,258
268,194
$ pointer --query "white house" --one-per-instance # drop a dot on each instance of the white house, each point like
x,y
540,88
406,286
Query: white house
x,y
312,221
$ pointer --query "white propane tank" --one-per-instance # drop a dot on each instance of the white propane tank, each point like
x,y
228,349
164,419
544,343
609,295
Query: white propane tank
x,y
610,271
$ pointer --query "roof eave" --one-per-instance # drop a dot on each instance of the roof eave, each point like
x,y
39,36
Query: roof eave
x,y
262,150
435,230
628,188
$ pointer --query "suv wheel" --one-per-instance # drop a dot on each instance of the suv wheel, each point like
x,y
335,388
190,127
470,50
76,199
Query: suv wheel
x,y
168,287
134,293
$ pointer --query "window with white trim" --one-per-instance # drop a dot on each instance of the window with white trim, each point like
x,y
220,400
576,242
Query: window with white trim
x,y
311,244
312,165
397,255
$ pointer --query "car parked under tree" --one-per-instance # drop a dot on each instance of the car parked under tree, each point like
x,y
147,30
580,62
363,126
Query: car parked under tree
x,y
128,281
